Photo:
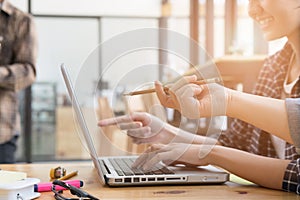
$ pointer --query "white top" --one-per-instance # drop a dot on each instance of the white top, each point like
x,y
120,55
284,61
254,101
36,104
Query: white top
x,y
288,87
279,145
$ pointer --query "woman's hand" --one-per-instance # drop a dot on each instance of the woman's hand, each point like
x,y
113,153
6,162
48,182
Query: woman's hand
x,y
195,101
142,127
168,154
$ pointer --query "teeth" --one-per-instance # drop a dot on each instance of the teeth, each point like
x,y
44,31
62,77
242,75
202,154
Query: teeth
x,y
264,21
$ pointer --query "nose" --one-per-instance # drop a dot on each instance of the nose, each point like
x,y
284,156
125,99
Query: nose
x,y
254,9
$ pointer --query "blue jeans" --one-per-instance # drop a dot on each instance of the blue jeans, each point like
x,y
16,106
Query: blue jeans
x,y
8,150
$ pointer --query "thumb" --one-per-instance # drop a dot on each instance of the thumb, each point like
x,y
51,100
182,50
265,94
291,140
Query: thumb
x,y
199,89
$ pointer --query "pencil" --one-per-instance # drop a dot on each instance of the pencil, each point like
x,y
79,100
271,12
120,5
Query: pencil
x,y
166,89
68,175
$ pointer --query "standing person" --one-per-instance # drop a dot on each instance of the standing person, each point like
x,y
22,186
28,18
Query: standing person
x,y
18,49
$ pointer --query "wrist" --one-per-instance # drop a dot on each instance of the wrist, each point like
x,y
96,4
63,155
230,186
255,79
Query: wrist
x,y
166,134
216,157
232,102
173,134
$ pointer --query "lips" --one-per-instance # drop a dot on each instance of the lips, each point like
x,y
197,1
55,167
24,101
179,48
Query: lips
x,y
264,21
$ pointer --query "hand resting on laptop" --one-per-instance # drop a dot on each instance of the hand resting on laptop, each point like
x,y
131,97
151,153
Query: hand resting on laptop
x,y
175,153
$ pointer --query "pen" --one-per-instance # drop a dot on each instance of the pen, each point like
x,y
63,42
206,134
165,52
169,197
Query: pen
x,y
166,89
68,176
46,187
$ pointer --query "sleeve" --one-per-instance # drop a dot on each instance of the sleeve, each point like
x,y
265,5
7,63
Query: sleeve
x,y
293,112
291,179
21,72
247,137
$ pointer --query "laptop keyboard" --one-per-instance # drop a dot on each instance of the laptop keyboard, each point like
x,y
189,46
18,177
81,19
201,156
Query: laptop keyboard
x,y
123,168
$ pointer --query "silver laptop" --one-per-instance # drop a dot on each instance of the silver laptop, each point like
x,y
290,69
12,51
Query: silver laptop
x,y
117,171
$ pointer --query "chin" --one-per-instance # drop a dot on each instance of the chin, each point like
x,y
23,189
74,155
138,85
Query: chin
x,y
270,37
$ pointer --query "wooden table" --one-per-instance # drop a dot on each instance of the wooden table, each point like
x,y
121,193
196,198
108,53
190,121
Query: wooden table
x,y
92,184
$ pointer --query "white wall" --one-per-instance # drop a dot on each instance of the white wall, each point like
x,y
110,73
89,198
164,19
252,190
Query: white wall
x,y
70,30
68,41
21,4
97,7
112,27
71,40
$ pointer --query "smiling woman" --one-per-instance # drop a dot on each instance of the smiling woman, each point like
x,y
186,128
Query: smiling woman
x,y
274,15
277,79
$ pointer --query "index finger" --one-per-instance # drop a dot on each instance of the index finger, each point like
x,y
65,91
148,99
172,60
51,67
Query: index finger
x,y
161,94
182,82
115,120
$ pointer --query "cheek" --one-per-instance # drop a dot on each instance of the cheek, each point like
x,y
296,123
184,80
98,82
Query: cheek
x,y
292,21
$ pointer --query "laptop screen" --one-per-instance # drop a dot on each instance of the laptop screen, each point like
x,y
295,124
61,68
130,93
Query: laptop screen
x,y
80,117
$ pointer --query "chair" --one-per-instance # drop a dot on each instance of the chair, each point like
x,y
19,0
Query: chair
x,y
240,70
113,141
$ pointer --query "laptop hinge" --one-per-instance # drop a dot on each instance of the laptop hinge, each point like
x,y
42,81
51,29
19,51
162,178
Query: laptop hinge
x,y
104,168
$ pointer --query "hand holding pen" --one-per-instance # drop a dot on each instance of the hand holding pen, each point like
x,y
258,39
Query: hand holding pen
x,y
166,89
193,100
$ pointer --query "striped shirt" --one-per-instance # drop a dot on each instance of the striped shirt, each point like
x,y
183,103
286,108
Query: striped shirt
x,y
18,49
246,137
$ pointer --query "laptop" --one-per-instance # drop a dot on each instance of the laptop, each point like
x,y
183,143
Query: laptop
x,y
117,171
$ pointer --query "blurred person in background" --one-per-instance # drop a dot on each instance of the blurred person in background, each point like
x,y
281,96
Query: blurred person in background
x,y
18,50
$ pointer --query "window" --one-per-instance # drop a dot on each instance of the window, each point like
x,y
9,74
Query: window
x,y
245,37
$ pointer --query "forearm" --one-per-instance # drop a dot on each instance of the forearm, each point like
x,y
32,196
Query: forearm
x,y
18,70
16,76
265,113
264,171
181,136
